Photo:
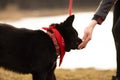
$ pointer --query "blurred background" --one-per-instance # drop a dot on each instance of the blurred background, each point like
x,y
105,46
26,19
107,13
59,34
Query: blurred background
x,y
96,62
46,4
15,9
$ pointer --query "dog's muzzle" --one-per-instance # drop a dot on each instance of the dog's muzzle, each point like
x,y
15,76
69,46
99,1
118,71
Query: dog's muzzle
x,y
75,43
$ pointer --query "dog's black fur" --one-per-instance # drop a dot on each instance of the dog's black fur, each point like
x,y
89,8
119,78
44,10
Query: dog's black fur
x,y
32,51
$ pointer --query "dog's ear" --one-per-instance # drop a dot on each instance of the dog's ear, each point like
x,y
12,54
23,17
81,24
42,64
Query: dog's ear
x,y
70,19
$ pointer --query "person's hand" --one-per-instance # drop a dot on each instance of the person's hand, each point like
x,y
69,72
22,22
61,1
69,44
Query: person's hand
x,y
87,34
86,38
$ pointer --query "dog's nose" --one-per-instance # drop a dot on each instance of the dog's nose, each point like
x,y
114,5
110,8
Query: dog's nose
x,y
76,43
79,42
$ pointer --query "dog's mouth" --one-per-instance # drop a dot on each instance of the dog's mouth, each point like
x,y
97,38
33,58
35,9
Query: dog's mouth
x,y
75,43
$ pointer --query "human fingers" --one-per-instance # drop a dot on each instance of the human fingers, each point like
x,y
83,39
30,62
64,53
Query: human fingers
x,y
82,45
86,39
84,42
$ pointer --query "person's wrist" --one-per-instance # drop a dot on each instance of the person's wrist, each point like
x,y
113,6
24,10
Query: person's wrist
x,y
93,24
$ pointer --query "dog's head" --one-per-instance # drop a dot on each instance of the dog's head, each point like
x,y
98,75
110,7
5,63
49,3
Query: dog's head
x,y
69,33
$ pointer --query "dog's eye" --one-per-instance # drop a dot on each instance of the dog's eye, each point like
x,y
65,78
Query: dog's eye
x,y
75,32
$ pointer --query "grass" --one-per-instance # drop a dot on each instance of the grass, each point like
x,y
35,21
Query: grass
x,y
84,74
63,74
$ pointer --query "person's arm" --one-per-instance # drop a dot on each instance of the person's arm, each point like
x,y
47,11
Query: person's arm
x,y
87,34
98,18
102,10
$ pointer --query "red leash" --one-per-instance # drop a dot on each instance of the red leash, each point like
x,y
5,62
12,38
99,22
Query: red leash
x,y
59,37
70,7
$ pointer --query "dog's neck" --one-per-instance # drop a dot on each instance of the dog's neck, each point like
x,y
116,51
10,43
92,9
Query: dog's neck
x,y
57,40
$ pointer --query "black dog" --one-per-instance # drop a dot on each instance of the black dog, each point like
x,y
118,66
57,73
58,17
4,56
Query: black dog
x,y
35,51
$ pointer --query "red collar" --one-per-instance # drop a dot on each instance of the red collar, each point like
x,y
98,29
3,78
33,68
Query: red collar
x,y
58,42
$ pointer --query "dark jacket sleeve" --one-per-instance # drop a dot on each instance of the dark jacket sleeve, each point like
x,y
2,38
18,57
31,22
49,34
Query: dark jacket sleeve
x,y
102,10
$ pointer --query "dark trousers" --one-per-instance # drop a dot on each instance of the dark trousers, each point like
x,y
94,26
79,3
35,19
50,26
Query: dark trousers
x,y
116,34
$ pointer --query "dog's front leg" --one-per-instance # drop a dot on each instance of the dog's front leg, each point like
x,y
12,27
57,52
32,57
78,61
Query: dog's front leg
x,y
38,76
51,74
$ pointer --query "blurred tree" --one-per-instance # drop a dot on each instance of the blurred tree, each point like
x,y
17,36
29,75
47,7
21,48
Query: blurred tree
x,y
38,4
41,4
